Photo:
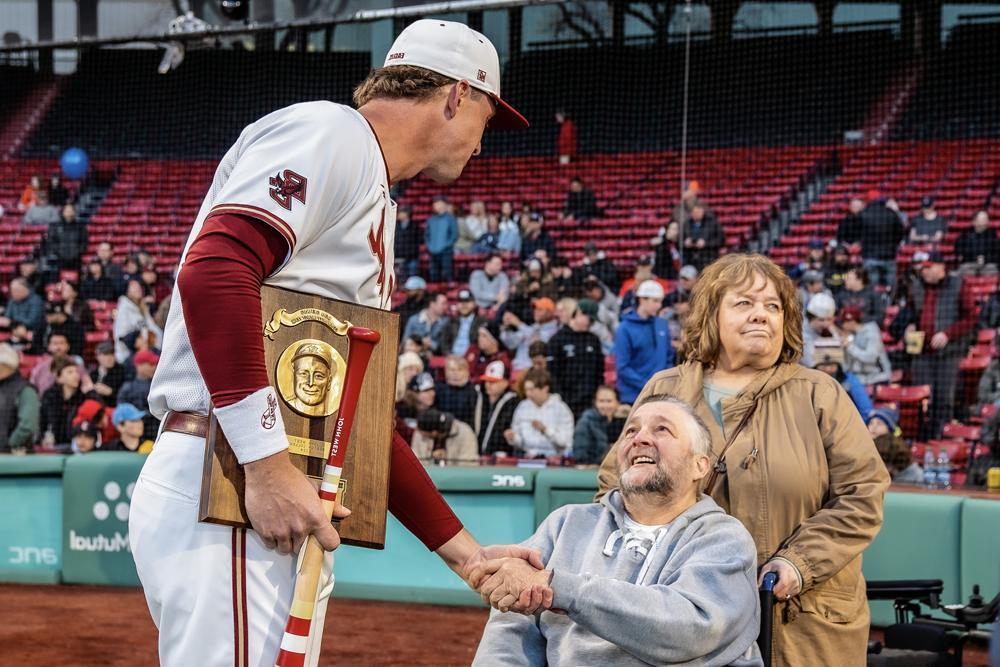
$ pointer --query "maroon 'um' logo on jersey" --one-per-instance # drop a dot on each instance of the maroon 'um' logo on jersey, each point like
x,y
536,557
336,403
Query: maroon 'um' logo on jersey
x,y
286,186
376,243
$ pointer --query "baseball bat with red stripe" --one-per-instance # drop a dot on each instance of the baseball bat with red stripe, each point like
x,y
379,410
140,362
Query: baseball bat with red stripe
x,y
293,644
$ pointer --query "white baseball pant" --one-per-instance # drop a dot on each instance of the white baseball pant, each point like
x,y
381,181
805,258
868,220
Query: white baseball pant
x,y
218,596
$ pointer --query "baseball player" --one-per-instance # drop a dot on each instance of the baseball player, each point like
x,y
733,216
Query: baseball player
x,y
300,201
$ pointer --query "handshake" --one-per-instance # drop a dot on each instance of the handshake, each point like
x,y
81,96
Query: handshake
x,y
509,578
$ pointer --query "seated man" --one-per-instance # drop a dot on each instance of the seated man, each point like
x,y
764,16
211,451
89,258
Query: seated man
x,y
654,573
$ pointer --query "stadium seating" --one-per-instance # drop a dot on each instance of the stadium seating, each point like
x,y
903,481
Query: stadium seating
x,y
962,176
743,187
151,206
910,401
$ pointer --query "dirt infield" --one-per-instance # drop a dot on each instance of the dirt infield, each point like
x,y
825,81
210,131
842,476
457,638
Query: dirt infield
x,y
87,626
91,626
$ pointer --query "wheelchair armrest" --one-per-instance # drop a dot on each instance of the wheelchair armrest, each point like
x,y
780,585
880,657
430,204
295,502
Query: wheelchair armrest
x,y
905,588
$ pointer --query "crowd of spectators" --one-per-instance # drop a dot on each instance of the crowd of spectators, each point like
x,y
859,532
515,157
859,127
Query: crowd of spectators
x,y
572,346
71,381
531,356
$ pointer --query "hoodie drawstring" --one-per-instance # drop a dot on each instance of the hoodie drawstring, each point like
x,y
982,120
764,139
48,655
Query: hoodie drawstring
x,y
609,546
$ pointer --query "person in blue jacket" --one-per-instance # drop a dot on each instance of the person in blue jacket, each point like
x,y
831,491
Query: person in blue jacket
x,y
830,360
440,234
642,342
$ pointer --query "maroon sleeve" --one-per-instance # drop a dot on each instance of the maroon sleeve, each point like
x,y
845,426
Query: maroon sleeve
x,y
416,502
219,285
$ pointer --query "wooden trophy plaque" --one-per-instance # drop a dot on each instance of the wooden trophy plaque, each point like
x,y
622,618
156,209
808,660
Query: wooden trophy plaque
x,y
305,349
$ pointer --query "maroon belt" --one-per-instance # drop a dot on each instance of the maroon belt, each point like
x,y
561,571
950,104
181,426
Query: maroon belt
x,y
187,423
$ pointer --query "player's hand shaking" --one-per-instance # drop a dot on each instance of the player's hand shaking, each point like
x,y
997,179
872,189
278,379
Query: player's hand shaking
x,y
515,585
284,507
510,578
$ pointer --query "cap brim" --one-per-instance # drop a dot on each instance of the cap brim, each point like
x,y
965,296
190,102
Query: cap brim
x,y
490,378
506,117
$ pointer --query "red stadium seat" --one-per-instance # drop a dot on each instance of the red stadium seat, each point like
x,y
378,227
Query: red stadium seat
x,y
967,432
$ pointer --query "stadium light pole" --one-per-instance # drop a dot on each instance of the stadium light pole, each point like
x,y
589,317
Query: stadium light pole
x,y
684,130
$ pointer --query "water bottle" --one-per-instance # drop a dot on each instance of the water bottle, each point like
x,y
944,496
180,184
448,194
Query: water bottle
x,y
943,470
930,468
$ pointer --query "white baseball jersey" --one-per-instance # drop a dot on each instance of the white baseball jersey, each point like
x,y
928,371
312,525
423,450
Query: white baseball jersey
x,y
316,174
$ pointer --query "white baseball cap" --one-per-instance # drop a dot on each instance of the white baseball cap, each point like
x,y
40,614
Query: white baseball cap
x,y
9,356
821,304
457,51
651,289
496,371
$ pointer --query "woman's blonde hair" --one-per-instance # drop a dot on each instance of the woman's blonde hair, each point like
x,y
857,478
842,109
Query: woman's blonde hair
x,y
701,330
400,82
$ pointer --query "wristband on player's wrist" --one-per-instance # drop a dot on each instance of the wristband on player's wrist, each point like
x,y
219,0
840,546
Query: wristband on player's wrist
x,y
253,426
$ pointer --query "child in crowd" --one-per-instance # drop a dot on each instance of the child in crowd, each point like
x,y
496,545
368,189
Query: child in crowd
x,y
892,448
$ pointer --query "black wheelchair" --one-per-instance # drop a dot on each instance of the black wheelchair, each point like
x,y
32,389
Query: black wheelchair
x,y
932,638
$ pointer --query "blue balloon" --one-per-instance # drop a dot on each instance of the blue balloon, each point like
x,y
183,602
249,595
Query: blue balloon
x,y
74,163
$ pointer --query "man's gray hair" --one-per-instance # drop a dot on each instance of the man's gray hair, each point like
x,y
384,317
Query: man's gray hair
x,y
701,438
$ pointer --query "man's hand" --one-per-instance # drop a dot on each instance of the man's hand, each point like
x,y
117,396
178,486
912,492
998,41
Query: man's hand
x,y
511,320
515,585
481,566
939,340
538,426
103,389
284,507
508,435
788,578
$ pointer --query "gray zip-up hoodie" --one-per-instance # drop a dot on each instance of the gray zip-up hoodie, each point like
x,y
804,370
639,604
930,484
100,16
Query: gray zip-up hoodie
x,y
691,600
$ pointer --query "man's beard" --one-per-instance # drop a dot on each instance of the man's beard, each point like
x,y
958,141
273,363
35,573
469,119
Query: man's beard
x,y
659,482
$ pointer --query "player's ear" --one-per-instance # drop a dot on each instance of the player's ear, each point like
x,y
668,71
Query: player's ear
x,y
458,94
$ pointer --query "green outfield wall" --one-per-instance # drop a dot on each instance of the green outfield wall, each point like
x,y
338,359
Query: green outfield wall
x,y
65,519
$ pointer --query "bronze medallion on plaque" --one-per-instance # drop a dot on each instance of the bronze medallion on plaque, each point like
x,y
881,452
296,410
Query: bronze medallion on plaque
x,y
310,377
306,350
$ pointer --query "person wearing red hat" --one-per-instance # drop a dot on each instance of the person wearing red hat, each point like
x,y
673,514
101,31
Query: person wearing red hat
x,y
136,391
95,412
494,410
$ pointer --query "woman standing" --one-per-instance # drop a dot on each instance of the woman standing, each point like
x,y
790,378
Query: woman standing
x,y
132,315
794,461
